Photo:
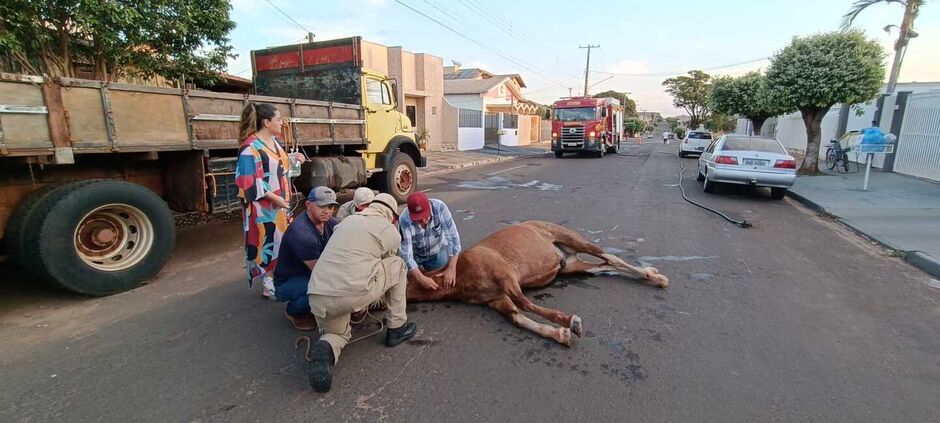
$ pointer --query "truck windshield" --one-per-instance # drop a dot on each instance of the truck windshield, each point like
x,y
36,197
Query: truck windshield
x,y
570,115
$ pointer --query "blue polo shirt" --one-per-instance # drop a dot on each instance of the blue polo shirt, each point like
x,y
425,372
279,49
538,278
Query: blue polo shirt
x,y
301,242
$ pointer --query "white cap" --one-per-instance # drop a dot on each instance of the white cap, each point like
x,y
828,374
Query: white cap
x,y
362,196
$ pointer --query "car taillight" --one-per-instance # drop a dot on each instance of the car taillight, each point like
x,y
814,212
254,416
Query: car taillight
x,y
785,164
729,160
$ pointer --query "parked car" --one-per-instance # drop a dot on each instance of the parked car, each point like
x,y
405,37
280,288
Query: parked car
x,y
672,136
747,160
695,142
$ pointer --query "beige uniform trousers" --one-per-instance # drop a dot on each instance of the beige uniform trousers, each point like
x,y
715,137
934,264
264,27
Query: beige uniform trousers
x,y
333,312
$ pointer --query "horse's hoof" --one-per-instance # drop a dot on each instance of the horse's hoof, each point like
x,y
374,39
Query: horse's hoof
x,y
564,336
576,327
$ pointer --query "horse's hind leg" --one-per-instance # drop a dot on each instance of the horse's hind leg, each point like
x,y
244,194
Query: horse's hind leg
x,y
507,308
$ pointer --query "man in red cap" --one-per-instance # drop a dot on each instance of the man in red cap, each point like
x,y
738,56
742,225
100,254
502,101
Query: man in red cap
x,y
429,240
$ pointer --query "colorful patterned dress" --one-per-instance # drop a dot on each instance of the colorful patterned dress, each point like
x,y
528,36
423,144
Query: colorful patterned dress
x,y
259,171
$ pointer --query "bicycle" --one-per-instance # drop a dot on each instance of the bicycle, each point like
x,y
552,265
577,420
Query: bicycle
x,y
836,154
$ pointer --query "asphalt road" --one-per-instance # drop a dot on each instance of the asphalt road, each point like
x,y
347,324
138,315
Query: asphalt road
x,y
795,319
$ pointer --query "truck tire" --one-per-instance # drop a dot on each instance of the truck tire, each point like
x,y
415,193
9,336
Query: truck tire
x,y
401,178
101,237
16,229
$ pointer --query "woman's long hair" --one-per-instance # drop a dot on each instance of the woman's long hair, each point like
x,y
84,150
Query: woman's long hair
x,y
253,116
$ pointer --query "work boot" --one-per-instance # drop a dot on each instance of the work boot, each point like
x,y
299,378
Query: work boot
x,y
321,366
305,322
396,336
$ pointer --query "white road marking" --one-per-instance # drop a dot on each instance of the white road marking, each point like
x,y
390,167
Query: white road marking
x,y
505,170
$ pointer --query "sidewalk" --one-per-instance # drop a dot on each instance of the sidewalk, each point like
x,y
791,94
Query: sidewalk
x,y
900,212
445,161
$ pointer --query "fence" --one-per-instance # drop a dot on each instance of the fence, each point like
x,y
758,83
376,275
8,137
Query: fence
x,y
918,150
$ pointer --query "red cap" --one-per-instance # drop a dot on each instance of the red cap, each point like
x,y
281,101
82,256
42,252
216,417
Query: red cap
x,y
419,207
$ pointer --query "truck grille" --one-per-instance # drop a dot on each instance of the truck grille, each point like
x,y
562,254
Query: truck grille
x,y
572,136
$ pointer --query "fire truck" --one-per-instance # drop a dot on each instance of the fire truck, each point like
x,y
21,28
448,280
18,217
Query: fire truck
x,y
587,125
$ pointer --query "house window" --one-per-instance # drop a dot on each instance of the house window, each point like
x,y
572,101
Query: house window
x,y
510,121
433,110
470,118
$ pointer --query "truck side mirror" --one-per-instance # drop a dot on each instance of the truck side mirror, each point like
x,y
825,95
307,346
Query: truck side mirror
x,y
394,85
603,112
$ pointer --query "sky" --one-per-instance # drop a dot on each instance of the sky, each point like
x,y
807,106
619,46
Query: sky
x,y
641,42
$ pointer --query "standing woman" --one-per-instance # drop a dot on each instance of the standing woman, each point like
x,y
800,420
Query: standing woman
x,y
261,177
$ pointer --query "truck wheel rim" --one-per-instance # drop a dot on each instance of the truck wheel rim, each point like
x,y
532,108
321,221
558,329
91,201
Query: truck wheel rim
x,y
403,179
114,237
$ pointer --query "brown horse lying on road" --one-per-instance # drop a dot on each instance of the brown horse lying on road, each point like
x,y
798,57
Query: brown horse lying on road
x,y
527,255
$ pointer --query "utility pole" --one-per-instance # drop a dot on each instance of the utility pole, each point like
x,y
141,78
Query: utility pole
x,y
587,68
569,91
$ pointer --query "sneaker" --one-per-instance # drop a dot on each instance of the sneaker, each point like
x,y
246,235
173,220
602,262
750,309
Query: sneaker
x,y
267,289
396,336
306,322
320,373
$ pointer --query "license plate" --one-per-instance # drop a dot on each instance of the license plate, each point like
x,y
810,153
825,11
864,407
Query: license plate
x,y
572,145
755,162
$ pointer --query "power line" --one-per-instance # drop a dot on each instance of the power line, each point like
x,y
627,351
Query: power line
x,y
288,16
476,42
682,72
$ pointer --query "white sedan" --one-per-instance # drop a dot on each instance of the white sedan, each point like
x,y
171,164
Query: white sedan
x,y
747,160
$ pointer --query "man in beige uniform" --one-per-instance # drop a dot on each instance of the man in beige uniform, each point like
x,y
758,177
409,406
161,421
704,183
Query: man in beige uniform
x,y
359,266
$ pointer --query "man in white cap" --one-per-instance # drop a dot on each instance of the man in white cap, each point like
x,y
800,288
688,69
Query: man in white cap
x,y
359,266
360,201
301,247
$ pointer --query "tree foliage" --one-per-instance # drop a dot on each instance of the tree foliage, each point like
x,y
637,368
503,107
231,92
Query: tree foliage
x,y
691,93
629,106
721,123
680,132
814,73
634,125
112,38
673,123
745,96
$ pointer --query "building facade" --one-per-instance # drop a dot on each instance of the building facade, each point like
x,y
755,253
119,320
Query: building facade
x,y
420,87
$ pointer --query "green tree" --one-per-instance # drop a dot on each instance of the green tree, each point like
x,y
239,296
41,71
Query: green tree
x,y
680,132
629,106
672,123
814,73
634,125
905,31
745,96
171,38
721,123
690,93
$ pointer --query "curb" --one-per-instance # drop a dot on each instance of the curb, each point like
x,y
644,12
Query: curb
x,y
923,261
918,259
482,162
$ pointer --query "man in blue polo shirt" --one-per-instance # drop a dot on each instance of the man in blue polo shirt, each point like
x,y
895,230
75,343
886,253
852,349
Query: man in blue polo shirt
x,y
301,246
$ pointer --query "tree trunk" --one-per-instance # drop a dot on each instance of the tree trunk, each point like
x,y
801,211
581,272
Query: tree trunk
x,y
812,119
757,124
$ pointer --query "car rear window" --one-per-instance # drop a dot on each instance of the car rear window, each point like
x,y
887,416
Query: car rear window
x,y
753,144
700,136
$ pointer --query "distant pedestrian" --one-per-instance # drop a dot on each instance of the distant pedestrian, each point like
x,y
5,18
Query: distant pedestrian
x,y
360,201
665,137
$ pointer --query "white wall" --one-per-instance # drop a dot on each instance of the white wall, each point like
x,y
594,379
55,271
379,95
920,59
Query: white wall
x,y
469,138
510,137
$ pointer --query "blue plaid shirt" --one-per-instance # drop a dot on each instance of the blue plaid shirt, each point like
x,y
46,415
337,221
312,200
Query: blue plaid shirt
x,y
441,232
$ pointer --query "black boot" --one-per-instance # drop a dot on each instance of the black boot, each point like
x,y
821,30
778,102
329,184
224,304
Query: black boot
x,y
396,336
321,366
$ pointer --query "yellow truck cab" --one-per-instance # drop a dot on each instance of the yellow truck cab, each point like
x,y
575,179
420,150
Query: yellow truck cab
x,y
331,72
